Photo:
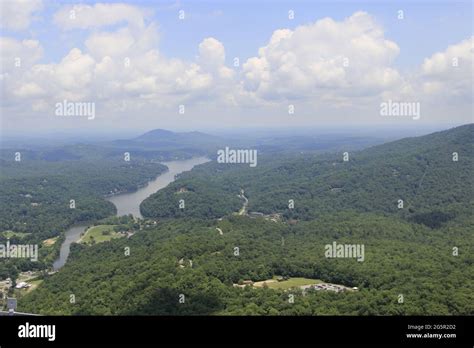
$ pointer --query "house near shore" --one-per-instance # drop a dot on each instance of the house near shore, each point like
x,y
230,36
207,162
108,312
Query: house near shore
x,y
22,285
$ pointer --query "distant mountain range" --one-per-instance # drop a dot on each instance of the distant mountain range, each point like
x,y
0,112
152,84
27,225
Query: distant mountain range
x,y
166,145
163,145
432,174
160,135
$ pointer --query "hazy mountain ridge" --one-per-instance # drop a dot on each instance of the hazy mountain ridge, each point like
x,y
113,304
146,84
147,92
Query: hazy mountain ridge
x,y
420,171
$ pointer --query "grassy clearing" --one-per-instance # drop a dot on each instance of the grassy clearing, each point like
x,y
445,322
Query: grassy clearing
x,y
287,284
19,293
50,241
99,234
34,285
10,234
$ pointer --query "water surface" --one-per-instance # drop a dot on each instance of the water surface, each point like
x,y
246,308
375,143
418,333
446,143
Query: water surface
x,y
129,203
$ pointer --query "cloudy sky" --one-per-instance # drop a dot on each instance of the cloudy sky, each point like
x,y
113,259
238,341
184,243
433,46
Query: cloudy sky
x,y
234,63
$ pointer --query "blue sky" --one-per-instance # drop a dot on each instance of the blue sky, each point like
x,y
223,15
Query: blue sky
x,y
412,60
244,26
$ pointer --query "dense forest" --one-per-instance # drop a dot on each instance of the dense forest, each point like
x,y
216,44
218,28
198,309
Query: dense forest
x,y
187,263
419,171
38,188
401,258
41,199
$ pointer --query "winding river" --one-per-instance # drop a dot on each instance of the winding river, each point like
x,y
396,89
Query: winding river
x,y
129,203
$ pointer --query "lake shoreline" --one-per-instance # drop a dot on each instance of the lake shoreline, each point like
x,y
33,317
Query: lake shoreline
x,y
127,203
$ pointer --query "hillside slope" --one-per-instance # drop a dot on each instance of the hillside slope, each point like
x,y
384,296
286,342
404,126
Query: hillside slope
x,y
420,171
400,258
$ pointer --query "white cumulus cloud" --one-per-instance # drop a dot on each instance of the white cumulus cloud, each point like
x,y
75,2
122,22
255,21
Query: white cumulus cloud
x,y
450,73
18,14
322,60
83,16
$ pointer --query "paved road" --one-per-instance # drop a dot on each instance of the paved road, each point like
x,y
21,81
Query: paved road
x,y
243,211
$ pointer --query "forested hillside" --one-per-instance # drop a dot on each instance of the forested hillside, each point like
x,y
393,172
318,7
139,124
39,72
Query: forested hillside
x,y
37,188
41,199
421,251
37,184
420,171
38,195
401,258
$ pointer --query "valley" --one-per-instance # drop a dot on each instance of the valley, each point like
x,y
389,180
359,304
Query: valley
x,y
270,226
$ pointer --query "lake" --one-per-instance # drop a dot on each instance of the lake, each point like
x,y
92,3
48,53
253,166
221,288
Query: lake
x,y
129,203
